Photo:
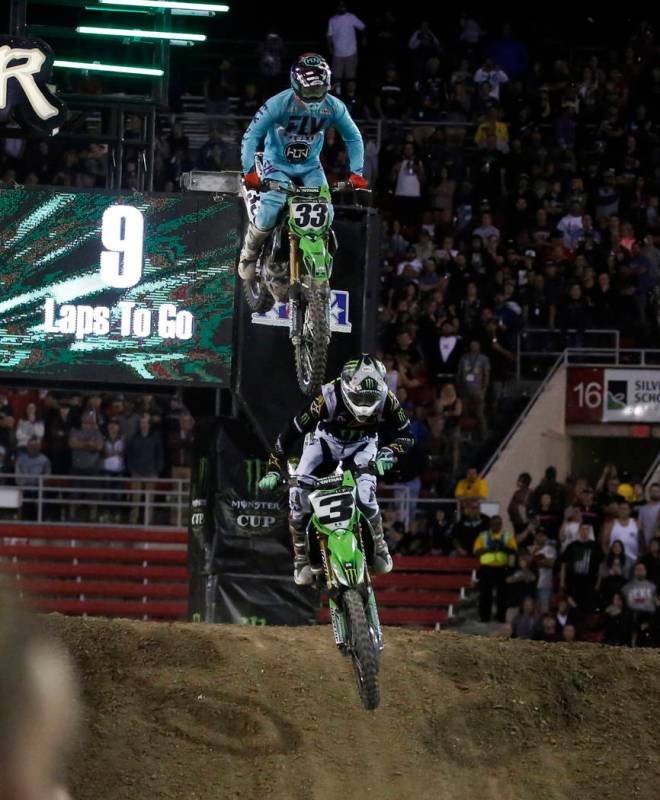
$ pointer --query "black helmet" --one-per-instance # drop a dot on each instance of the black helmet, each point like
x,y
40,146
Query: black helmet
x,y
363,386
310,78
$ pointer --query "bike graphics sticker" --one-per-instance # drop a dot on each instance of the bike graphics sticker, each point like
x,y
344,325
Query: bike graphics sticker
x,y
278,316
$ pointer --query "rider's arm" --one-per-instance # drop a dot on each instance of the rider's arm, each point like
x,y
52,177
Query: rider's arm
x,y
351,135
395,432
263,120
302,423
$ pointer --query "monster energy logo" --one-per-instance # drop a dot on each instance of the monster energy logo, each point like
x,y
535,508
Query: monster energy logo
x,y
351,573
256,468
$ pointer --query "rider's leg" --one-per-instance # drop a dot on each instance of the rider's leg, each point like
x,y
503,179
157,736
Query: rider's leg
x,y
315,176
270,205
313,456
366,486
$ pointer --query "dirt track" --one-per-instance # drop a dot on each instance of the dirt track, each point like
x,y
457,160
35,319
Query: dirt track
x,y
199,712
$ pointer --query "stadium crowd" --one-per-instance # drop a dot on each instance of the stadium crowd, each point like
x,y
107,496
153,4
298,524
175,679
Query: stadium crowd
x,y
519,196
569,560
100,437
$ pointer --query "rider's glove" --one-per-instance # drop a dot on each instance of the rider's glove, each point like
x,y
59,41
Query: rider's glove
x,y
357,181
270,481
252,180
385,460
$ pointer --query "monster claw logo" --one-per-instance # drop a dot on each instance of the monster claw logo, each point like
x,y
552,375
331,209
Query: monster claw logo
x,y
255,468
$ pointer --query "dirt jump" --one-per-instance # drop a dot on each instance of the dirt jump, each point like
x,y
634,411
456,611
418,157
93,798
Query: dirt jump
x,y
194,712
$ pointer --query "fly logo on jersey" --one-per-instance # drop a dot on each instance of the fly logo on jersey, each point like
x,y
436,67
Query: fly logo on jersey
x,y
278,316
304,125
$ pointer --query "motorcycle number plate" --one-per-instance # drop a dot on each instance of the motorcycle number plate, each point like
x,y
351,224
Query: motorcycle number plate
x,y
310,216
334,510
296,152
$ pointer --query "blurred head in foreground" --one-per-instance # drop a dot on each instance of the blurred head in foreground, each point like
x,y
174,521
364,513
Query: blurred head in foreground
x,y
38,708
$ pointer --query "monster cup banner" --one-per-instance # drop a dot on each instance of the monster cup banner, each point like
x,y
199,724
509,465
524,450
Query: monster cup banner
x,y
25,69
595,394
242,563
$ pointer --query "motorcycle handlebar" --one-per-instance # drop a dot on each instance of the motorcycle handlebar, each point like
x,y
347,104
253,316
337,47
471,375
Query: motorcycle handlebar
x,y
291,189
331,481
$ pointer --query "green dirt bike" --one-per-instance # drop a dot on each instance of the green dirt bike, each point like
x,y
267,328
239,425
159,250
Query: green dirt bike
x,y
295,264
339,560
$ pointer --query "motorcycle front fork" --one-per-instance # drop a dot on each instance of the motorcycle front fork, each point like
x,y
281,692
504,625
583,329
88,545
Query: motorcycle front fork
x,y
295,310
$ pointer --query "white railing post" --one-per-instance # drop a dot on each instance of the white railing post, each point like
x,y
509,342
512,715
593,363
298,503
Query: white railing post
x,y
147,505
40,497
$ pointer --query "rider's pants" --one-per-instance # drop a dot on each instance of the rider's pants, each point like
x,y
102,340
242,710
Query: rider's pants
x,y
271,203
324,451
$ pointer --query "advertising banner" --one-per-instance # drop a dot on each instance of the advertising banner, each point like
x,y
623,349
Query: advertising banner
x,y
117,287
240,555
631,395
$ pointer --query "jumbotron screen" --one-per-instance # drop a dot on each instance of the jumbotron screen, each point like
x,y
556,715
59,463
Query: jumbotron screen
x,y
116,288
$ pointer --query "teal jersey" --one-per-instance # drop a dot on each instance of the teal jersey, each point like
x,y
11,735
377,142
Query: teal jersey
x,y
293,132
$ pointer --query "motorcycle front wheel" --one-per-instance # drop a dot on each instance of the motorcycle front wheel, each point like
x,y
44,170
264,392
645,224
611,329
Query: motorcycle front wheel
x,y
311,347
362,649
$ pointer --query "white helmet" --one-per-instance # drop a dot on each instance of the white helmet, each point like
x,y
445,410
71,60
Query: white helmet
x,y
363,386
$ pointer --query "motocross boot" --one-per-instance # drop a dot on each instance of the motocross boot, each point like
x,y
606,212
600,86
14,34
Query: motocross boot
x,y
382,558
302,569
254,238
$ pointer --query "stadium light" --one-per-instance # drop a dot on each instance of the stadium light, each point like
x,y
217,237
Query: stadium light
x,y
135,33
118,69
168,4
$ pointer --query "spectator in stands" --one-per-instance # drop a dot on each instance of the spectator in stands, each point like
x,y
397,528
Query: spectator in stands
x,y
441,534
471,523
569,633
86,445
617,624
570,527
472,485
144,461
450,409
565,614
613,573
589,511
343,44
526,621
494,548
521,583
29,426
519,503
473,381
7,423
448,354
551,486
547,631
58,432
579,565
491,74
179,443
651,561
641,599
31,463
114,467
624,529
648,515
544,555
408,181
38,709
